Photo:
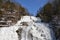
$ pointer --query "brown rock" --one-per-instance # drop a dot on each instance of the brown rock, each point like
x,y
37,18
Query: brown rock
x,y
11,12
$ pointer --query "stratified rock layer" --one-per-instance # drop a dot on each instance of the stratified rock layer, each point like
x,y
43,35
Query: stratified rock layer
x,y
10,13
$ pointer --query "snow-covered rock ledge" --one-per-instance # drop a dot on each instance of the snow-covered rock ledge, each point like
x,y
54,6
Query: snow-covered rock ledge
x,y
28,28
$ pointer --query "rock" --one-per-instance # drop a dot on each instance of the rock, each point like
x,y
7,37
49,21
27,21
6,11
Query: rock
x,y
11,12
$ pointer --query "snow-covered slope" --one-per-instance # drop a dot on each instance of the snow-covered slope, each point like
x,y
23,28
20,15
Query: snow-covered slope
x,y
28,28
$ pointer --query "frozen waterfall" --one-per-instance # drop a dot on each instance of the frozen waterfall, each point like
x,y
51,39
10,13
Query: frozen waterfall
x,y
28,28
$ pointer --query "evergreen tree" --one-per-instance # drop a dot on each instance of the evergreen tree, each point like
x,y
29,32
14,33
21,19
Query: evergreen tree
x,y
45,13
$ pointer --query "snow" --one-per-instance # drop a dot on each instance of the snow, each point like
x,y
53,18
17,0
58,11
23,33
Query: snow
x,y
34,31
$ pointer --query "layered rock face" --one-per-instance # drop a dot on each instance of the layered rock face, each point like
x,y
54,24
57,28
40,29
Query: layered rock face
x,y
10,13
28,28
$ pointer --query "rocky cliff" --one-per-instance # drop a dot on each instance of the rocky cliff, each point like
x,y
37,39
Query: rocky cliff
x,y
10,13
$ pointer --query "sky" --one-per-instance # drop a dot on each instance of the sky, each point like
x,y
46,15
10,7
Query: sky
x,y
32,5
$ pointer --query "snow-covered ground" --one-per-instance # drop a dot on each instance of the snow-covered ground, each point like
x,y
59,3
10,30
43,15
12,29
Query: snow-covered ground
x,y
32,29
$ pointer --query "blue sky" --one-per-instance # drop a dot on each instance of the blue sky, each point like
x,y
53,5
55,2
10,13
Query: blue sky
x,y
32,5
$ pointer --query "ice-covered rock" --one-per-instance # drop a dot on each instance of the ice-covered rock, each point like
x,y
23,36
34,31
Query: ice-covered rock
x,y
28,28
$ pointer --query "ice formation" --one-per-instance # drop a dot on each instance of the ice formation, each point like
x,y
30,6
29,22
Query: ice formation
x,y
28,28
